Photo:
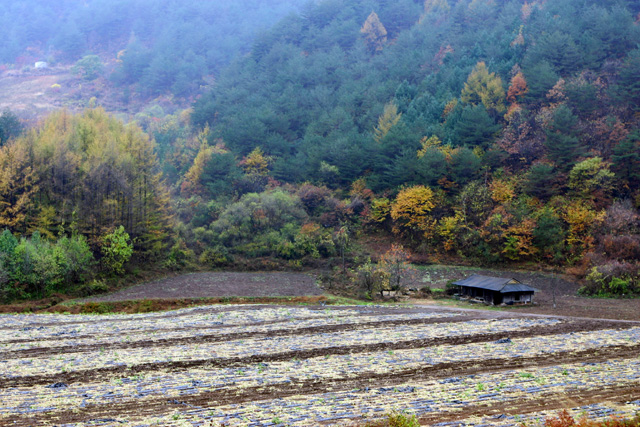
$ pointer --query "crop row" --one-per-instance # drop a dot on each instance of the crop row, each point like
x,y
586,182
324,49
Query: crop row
x,y
445,397
318,368
250,347
334,388
165,329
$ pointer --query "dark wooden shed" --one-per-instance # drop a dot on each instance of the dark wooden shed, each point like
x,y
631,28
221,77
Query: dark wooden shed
x,y
495,290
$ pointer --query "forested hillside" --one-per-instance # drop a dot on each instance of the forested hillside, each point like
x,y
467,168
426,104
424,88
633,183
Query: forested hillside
x,y
157,46
495,130
484,131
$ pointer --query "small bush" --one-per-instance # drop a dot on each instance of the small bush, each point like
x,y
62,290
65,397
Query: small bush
x,y
612,279
439,293
622,247
215,257
179,256
93,288
35,267
396,419
313,198
96,308
451,288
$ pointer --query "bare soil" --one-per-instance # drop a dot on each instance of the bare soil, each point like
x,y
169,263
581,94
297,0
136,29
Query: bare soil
x,y
33,94
207,285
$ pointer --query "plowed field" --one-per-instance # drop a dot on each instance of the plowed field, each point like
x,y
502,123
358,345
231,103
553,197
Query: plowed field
x,y
307,366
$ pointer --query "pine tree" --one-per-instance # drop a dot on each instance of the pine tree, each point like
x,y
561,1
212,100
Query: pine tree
x,y
626,160
562,141
628,88
475,127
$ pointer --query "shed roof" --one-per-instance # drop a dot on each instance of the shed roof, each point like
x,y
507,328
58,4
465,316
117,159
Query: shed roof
x,y
498,284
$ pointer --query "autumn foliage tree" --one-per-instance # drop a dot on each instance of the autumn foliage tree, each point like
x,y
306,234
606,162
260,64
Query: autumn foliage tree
x,y
88,169
411,209
517,88
484,88
389,118
375,35
256,162
396,270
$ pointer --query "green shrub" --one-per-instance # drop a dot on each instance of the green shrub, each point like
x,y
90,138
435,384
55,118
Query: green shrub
x,y
89,67
396,419
96,308
92,288
257,214
36,267
77,259
179,256
451,289
618,286
215,257
116,249
611,280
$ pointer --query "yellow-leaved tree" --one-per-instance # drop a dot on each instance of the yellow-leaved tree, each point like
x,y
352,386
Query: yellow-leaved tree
x,y
375,35
484,88
389,118
431,142
411,210
90,170
582,219
256,162
18,187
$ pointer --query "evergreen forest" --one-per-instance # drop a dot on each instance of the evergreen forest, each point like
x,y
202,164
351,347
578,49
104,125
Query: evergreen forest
x,y
485,132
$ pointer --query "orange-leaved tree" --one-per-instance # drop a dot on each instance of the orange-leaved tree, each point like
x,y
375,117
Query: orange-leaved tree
x,y
517,87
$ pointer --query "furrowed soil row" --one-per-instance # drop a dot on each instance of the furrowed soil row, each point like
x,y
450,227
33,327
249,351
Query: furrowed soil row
x,y
186,313
563,327
110,372
212,338
162,405
161,330
549,402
